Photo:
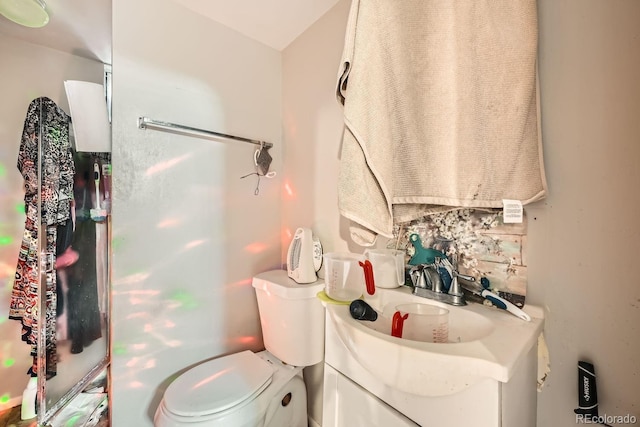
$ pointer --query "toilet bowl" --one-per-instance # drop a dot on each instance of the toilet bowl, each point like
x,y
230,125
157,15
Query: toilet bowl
x,y
242,389
256,389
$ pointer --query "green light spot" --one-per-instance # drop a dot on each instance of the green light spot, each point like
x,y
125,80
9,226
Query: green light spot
x,y
73,420
119,349
185,299
20,208
4,398
5,240
9,362
116,243
3,319
3,170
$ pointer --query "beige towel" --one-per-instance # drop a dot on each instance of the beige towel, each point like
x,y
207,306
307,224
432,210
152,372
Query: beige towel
x,y
440,110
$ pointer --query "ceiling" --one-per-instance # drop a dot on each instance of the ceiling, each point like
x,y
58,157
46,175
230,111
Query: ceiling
x,y
83,27
79,27
275,23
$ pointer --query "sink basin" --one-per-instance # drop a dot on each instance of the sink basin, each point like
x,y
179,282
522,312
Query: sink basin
x,y
484,343
464,325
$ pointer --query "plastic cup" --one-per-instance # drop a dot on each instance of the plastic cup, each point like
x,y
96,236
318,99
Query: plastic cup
x,y
388,267
421,322
344,277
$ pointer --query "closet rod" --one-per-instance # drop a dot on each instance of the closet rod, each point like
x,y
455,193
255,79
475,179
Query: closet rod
x,y
147,123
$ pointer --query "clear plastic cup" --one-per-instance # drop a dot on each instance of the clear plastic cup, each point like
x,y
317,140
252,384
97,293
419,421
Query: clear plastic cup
x,y
421,322
388,267
343,277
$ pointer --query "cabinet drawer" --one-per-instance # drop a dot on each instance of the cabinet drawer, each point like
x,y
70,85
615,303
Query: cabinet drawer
x,y
346,404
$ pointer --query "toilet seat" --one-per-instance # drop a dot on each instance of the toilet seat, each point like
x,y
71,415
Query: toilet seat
x,y
218,385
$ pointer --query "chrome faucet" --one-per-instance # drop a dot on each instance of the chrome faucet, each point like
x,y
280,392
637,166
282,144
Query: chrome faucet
x,y
437,281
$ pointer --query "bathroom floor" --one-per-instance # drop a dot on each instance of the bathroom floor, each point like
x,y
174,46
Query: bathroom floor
x,y
11,418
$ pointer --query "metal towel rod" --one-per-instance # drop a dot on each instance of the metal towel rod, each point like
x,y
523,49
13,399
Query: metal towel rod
x,y
147,123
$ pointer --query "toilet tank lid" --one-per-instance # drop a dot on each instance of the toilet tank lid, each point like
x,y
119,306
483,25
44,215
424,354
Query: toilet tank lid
x,y
218,384
279,283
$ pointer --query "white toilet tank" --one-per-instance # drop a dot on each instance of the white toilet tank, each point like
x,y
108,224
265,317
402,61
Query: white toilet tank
x,y
292,318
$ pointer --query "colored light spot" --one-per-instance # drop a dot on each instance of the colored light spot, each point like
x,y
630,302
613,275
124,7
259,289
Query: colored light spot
x,y
4,398
162,166
240,283
119,349
185,299
3,319
168,222
116,243
288,189
255,247
132,279
9,362
3,170
141,346
246,340
5,240
73,420
193,244
20,208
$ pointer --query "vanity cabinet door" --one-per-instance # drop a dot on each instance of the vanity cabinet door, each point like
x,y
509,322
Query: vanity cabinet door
x,y
346,404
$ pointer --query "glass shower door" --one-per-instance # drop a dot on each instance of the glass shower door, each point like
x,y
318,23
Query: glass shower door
x,y
73,239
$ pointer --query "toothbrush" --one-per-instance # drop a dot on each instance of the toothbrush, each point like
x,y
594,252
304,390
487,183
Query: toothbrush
x,y
498,301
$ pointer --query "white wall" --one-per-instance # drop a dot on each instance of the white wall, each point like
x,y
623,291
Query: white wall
x,y
583,239
189,234
27,72
312,121
313,126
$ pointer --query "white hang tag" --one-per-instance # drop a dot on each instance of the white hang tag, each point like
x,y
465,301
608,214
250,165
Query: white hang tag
x,y
512,211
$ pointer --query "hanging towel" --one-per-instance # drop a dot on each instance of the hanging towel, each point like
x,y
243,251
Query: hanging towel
x,y
440,110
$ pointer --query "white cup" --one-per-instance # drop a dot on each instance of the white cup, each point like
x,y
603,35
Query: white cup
x,y
388,267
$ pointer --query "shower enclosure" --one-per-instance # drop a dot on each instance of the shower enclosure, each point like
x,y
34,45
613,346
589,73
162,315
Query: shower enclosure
x,y
61,293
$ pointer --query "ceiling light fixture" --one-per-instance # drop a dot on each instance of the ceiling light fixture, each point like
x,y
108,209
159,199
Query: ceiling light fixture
x,y
30,13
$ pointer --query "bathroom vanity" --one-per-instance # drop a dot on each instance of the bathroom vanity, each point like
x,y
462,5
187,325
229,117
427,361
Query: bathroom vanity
x,y
485,376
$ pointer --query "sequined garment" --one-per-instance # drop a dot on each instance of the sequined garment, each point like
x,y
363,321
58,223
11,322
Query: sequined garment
x,y
57,194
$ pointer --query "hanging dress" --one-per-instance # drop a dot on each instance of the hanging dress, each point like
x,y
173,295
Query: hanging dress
x,y
49,124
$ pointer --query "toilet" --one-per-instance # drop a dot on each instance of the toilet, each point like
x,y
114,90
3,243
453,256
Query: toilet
x,y
256,389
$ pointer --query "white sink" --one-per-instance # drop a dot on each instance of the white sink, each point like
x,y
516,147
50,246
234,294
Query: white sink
x,y
484,342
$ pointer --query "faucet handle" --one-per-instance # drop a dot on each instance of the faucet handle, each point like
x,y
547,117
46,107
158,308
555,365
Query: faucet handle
x,y
417,276
455,287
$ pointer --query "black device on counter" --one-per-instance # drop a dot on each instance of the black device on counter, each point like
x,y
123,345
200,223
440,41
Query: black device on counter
x,y
360,310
